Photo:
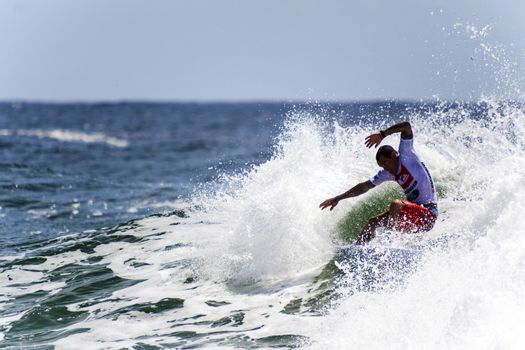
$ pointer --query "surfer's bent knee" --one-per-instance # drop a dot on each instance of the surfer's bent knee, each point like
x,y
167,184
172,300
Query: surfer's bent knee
x,y
395,208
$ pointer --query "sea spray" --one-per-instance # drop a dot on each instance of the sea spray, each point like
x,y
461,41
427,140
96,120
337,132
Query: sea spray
x,y
267,221
469,295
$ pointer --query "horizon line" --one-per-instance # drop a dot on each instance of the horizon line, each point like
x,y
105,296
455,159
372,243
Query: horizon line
x,y
240,101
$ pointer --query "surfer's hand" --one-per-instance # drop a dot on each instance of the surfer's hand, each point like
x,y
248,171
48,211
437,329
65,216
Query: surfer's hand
x,y
332,202
373,140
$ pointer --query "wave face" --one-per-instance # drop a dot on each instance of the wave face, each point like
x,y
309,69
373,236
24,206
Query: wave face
x,y
248,260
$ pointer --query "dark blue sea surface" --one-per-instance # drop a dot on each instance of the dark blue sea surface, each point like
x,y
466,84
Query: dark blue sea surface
x,y
75,167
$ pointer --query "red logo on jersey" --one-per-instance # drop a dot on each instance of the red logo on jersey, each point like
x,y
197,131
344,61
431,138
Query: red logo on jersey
x,y
404,178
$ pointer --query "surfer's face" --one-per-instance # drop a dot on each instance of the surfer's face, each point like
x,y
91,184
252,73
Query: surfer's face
x,y
389,163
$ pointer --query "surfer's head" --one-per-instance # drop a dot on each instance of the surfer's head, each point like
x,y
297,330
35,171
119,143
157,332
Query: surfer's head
x,y
386,158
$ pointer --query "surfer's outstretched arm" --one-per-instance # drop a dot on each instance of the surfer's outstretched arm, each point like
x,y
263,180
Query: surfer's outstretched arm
x,y
404,128
355,191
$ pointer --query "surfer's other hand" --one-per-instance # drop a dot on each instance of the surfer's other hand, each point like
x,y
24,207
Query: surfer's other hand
x,y
373,140
332,202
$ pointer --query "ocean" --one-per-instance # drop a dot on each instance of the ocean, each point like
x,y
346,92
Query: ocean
x,y
197,225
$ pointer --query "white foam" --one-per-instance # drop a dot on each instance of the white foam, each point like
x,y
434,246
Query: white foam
x,y
68,136
270,223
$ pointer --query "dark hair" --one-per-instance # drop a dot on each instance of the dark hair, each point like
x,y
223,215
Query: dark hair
x,y
384,151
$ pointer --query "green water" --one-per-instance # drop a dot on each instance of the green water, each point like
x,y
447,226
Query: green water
x,y
376,203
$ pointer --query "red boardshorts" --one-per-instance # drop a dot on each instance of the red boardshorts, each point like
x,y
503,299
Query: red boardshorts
x,y
415,218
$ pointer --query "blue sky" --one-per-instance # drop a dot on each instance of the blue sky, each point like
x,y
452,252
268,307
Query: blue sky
x,y
210,50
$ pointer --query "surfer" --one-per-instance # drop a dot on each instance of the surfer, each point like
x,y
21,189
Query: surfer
x,y
418,212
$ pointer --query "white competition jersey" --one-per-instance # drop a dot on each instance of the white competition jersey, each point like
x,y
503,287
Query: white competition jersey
x,y
412,175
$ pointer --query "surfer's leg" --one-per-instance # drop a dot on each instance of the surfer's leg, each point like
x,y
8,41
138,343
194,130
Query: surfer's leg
x,y
395,209
370,228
